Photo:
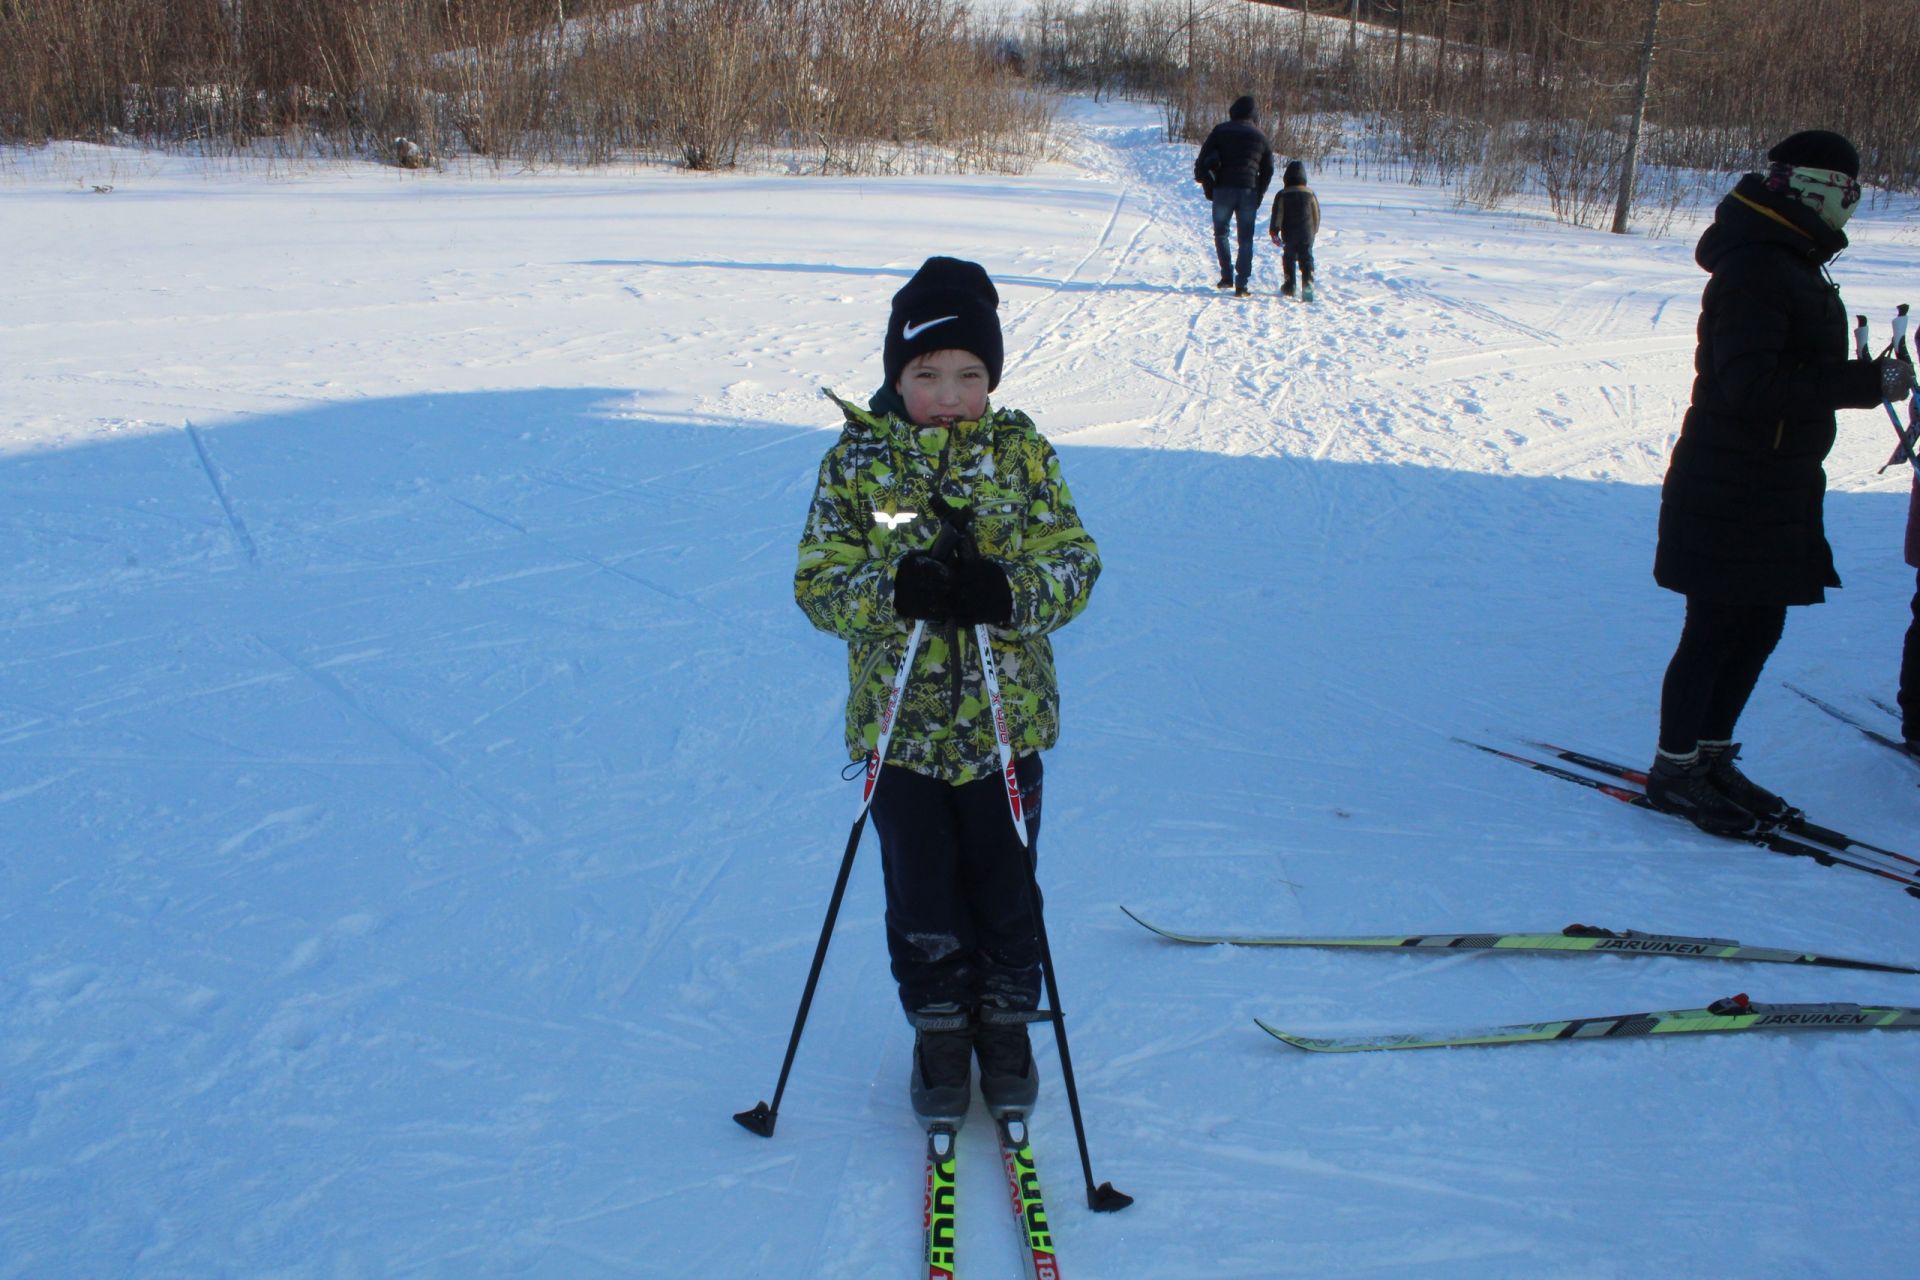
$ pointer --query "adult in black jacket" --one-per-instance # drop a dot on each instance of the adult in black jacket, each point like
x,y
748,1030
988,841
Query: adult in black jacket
x,y
1741,533
1233,168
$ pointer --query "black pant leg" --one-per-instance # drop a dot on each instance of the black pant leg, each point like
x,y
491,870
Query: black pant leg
x,y
1722,650
997,882
1755,637
929,939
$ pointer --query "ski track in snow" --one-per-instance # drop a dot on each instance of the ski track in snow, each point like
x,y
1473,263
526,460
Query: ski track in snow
x,y
415,847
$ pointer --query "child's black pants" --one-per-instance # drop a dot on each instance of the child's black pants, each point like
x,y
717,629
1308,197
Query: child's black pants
x,y
960,925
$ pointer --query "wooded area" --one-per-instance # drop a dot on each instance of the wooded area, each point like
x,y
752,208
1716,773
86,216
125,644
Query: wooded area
x,y
1494,96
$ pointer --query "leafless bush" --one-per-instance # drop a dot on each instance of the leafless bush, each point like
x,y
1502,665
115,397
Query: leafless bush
x,y
853,83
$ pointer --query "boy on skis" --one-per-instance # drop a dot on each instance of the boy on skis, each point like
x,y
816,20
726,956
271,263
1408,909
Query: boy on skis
x,y
1293,224
934,506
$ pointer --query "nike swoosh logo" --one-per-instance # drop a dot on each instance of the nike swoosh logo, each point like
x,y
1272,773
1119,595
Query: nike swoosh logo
x,y
912,331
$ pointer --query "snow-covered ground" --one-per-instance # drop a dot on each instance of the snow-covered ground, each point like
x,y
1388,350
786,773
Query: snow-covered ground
x,y
420,793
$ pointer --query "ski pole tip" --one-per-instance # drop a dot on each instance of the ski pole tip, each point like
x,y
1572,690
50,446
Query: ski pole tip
x,y
1104,1199
759,1120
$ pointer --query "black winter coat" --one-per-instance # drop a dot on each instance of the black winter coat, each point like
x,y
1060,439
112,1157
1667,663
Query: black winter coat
x,y
1741,511
1296,216
1235,154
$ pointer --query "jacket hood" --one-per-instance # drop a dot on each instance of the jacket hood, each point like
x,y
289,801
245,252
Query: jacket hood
x,y
1295,175
1750,214
1242,108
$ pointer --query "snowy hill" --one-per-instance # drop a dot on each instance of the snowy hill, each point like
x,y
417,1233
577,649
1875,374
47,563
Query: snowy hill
x,y
421,793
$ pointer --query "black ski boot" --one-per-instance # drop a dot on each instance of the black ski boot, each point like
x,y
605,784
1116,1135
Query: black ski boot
x,y
1008,1079
1681,785
1718,757
941,1085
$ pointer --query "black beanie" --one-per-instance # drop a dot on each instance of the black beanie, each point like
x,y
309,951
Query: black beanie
x,y
1295,175
1242,108
1817,149
949,303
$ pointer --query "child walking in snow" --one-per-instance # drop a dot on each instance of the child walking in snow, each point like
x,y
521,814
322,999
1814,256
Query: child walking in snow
x,y
1294,223
935,506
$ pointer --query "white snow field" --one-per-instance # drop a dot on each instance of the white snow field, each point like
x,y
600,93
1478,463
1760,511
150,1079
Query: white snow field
x,y
420,794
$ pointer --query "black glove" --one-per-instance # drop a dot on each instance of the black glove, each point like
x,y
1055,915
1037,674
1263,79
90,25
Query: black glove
x,y
1896,379
981,593
923,588
1207,189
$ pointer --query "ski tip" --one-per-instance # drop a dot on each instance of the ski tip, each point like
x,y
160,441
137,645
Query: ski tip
x,y
1104,1199
1312,1044
759,1120
1278,1034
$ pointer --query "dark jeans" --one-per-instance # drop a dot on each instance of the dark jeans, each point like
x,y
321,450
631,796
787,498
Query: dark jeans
x,y
1910,673
1240,204
960,926
1302,255
1722,649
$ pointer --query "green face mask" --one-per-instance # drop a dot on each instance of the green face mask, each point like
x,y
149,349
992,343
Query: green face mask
x,y
1828,192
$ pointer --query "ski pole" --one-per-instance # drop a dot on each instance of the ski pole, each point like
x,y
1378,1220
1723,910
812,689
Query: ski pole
x,y
1909,435
1102,1198
1003,733
761,1117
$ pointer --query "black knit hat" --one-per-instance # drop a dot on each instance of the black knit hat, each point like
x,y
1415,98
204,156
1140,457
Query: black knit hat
x,y
1295,174
949,304
1817,149
1242,108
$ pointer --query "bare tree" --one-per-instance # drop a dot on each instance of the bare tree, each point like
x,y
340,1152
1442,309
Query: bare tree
x,y
1623,205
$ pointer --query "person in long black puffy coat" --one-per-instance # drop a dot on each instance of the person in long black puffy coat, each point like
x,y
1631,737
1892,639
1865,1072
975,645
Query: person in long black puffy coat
x,y
1741,530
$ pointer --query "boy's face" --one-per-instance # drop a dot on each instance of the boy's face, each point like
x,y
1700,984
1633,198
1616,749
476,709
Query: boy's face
x,y
944,387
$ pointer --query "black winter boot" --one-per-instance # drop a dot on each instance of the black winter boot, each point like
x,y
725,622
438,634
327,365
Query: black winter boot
x,y
1718,757
941,1084
1681,785
1008,1079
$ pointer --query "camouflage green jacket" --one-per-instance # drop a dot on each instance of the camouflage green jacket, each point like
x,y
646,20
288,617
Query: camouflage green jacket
x,y
1003,470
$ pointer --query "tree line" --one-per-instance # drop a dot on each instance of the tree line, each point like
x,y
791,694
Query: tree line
x,y
836,85
1503,95
1495,96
